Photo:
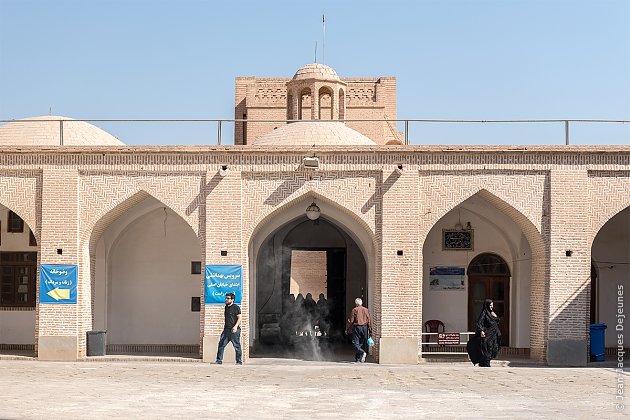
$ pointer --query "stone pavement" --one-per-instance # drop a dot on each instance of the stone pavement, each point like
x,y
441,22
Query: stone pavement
x,y
292,389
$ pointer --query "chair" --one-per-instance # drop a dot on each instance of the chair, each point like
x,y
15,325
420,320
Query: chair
x,y
434,326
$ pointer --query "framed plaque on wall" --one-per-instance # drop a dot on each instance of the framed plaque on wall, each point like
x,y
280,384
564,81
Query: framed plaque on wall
x,y
457,240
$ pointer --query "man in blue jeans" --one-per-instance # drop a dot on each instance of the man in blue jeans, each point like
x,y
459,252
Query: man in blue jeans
x,y
231,330
359,326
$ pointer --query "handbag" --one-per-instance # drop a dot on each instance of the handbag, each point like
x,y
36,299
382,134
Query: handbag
x,y
370,342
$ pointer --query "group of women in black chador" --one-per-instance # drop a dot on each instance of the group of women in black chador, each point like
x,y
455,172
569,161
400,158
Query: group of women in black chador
x,y
484,346
304,317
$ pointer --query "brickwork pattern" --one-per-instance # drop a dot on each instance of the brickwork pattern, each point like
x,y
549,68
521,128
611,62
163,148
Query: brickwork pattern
x,y
400,289
610,193
223,203
354,193
569,279
21,191
266,99
103,191
521,195
105,196
59,230
73,194
308,273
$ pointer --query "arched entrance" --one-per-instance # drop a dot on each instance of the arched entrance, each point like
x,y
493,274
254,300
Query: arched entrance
x,y
610,271
489,278
308,275
496,259
147,274
292,255
18,282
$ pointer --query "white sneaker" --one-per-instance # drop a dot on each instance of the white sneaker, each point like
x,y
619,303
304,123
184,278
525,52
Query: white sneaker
x,y
363,357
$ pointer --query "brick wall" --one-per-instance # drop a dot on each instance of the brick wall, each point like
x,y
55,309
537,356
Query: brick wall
x,y
570,258
308,273
266,99
60,232
223,233
548,192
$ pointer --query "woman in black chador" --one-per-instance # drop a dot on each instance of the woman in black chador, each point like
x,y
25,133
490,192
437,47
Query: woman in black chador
x,y
488,335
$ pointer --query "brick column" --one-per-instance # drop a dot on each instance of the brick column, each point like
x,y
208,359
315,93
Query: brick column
x,y
334,103
400,284
223,233
293,104
341,98
569,278
315,101
61,335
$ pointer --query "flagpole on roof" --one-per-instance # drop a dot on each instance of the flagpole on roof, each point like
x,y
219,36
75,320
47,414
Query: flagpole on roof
x,y
324,43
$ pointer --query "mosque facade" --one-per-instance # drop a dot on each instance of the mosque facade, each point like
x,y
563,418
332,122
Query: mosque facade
x,y
423,234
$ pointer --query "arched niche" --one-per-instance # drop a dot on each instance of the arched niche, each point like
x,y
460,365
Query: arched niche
x,y
294,214
305,103
326,103
142,280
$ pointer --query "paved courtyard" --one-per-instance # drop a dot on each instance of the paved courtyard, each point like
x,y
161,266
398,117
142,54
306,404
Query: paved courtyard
x,y
280,388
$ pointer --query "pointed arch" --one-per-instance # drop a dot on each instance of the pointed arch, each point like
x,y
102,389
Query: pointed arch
x,y
26,217
326,95
305,100
355,227
609,257
539,293
21,192
610,195
531,232
263,220
91,232
601,218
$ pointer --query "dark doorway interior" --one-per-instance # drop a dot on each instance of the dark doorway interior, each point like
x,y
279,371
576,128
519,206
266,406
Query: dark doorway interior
x,y
489,278
308,274
336,267
314,317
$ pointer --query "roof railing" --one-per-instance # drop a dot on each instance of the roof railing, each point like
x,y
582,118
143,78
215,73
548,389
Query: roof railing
x,y
404,136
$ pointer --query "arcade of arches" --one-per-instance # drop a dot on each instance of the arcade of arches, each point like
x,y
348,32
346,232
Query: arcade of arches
x,y
147,259
543,230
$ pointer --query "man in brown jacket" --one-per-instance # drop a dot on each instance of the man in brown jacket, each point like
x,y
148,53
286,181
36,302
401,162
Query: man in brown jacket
x,y
359,324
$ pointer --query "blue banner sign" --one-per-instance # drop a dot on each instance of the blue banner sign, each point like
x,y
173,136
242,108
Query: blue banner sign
x,y
222,279
58,283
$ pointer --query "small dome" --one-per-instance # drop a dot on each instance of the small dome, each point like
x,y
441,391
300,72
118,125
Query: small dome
x,y
314,133
315,71
46,133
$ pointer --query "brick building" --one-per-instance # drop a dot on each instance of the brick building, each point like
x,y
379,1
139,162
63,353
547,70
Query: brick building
x,y
543,230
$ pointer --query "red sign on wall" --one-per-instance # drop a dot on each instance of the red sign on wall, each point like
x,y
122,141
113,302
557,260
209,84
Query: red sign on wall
x,y
448,338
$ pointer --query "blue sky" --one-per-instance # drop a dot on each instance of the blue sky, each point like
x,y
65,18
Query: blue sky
x,y
453,59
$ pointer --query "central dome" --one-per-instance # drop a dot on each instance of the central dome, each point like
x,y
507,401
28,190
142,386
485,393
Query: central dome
x,y
315,71
314,133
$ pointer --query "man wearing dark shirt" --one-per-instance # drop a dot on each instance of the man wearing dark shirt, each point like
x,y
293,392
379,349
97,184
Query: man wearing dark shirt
x,y
359,323
231,330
